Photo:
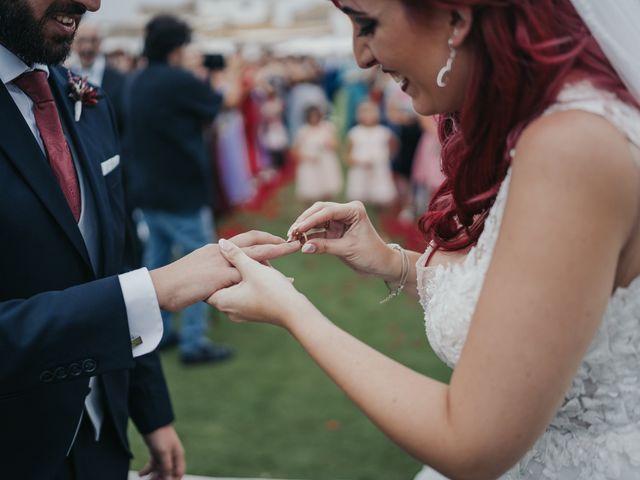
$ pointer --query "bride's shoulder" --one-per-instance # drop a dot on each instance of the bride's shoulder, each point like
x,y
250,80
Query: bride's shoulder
x,y
574,141
579,159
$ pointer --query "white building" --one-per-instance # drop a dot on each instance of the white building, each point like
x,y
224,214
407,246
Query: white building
x,y
286,26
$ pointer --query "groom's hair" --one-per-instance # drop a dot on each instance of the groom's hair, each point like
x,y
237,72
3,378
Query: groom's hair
x,y
163,34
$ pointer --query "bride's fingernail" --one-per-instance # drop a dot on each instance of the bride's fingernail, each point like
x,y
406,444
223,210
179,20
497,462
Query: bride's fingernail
x,y
309,248
223,244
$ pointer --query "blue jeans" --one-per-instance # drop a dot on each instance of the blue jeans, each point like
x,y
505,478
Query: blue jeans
x,y
187,232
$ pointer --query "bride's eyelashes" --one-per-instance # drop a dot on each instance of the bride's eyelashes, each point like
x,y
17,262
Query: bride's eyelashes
x,y
366,27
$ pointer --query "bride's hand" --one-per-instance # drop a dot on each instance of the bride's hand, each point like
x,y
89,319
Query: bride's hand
x,y
349,235
263,295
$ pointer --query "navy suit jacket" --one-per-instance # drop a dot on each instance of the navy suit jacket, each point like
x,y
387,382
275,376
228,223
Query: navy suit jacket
x,y
60,321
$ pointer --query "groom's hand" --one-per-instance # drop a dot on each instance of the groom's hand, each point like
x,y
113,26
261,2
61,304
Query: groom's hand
x,y
262,246
167,455
197,276
192,278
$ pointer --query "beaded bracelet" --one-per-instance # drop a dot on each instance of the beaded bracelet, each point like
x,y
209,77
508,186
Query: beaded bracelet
x,y
403,275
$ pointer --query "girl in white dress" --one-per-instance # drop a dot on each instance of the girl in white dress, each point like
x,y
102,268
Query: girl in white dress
x,y
531,283
318,173
370,148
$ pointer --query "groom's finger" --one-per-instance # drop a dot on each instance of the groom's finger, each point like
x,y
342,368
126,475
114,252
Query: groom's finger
x,y
179,463
146,470
261,253
255,237
166,464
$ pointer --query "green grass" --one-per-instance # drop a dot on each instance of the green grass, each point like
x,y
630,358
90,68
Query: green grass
x,y
271,412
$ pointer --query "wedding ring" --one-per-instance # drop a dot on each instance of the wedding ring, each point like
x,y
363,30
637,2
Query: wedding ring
x,y
304,237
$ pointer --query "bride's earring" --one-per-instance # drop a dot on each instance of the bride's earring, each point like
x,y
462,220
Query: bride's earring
x,y
443,75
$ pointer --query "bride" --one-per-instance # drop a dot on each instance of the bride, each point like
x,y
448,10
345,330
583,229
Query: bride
x,y
530,285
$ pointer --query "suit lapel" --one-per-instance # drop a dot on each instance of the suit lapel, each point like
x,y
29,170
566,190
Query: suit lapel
x,y
94,180
23,151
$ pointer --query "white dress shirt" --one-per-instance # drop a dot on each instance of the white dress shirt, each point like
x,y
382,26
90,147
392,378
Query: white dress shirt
x,y
143,311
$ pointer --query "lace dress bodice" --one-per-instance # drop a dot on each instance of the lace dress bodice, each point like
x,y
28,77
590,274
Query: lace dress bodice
x,y
596,433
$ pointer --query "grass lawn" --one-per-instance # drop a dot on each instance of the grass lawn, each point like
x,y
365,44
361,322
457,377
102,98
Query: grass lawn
x,y
271,412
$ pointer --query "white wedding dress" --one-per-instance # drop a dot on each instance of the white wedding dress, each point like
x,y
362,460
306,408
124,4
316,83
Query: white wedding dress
x,y
596,433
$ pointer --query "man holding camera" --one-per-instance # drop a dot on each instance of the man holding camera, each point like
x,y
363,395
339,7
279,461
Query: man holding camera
x,y
167,110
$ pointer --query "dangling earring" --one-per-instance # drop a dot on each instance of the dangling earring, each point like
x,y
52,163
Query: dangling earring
x,y
443,75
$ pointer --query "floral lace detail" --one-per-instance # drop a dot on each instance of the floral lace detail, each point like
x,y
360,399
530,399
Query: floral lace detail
x,y
451,291
596,433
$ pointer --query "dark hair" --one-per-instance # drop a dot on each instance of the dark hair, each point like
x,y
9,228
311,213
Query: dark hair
x,y
310,110
163,34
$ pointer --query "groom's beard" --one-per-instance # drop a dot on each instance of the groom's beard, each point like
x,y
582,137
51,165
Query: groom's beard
x,y
24,36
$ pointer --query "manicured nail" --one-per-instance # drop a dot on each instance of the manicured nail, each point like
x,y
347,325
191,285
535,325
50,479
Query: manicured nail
x,y
309,248
223,244
291,229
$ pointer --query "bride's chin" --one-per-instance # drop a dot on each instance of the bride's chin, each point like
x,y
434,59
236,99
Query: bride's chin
x,y
423,104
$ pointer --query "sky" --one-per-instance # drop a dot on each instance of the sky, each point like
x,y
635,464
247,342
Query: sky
x,y
118,9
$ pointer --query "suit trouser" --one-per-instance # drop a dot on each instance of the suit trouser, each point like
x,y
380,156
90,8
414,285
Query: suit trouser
x,y
91,460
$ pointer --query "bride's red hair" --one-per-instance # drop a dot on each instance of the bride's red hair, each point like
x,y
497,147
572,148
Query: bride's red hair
x,y
524,53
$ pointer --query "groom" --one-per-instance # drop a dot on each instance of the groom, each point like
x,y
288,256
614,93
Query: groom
x,y
76,338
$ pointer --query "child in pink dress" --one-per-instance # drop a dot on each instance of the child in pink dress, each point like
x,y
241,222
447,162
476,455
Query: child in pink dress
x,y
318,175
370,148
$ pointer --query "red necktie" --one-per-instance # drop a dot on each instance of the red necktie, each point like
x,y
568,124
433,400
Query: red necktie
x,y
35,85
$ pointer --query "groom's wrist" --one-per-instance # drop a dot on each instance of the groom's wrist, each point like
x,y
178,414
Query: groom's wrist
x,y
165,293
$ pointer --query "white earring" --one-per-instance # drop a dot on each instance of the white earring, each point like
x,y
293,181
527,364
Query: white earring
x,y
443,75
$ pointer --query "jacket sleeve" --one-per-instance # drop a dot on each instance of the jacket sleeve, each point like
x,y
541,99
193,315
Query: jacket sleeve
x,y
198,97
149,402
64,335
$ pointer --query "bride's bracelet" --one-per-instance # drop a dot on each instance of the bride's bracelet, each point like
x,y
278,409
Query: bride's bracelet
x,y
403,275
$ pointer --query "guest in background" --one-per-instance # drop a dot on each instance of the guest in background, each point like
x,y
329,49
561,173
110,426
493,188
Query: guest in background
x,y
370,148
404,121
168,111
426,174
273,132
318,176
88,61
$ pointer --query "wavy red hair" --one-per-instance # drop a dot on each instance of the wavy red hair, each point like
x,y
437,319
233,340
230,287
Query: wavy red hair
x,y
524,51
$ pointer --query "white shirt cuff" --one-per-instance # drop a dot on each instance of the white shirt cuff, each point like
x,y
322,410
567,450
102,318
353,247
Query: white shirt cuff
x,y
143,311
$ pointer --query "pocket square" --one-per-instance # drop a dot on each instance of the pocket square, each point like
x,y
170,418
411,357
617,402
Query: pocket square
x,y
109,165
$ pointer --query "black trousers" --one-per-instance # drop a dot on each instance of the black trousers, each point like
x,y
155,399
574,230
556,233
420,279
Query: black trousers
x,y
105,459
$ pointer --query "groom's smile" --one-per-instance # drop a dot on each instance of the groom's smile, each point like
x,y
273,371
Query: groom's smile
x,y
42,31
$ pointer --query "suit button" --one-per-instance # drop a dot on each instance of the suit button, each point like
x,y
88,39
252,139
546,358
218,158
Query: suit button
x,y
75,369
46,376
60,373
89,365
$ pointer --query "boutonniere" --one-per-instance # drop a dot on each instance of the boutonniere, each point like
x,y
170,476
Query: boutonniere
x,y
82,93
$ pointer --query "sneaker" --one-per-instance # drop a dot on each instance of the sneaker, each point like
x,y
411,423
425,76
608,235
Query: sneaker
x,y
207,353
